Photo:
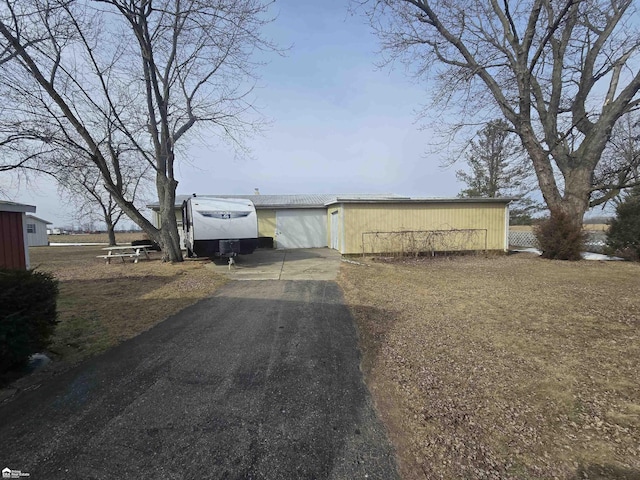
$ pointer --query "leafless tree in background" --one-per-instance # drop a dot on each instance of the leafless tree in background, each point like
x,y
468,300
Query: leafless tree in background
x,y
91,203
560,72
82,185
151,70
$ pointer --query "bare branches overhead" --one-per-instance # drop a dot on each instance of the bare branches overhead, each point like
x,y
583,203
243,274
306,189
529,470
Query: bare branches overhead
x,y
562,73
96,78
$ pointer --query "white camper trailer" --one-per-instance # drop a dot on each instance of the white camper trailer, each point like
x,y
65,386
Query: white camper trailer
x,y
219,227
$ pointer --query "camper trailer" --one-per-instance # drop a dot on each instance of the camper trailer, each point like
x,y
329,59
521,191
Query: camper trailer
x,y
219,227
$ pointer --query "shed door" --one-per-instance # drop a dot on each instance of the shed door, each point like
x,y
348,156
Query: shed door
x,y
301,228
13,254
334,231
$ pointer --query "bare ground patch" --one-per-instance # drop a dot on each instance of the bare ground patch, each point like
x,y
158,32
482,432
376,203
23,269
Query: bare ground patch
x,y
503,368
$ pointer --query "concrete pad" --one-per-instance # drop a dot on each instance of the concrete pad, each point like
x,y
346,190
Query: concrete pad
x,y
298,264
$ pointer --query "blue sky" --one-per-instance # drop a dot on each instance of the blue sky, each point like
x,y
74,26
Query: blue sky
x,y
338,123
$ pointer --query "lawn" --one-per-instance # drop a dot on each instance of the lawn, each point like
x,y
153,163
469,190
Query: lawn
x,y
102,305
507,367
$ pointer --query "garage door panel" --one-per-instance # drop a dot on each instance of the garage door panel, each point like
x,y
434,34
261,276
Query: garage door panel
x,y
301,228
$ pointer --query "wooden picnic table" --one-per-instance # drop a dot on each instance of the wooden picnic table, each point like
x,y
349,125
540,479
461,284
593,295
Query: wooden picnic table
x,y
127,251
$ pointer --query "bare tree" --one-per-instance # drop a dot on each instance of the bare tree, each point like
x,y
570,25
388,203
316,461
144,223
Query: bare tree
x,y
83,186
151,70
17,152
560,72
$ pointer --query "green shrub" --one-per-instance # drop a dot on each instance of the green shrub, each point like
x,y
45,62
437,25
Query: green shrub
x,y
559,238
623,236
28,315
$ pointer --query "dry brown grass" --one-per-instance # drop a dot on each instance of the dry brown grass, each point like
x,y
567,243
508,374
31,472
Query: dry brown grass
x,y
102,305
505,367
501,367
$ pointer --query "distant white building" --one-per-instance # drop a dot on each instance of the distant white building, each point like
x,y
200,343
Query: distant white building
x,y
37,231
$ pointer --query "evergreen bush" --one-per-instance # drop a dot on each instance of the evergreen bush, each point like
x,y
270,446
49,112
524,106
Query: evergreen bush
x,y
623,236
28,315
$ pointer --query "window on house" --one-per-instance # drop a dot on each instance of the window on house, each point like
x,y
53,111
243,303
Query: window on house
x,y
31,228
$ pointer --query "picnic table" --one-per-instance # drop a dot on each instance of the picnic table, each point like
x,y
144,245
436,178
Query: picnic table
x,y
127,251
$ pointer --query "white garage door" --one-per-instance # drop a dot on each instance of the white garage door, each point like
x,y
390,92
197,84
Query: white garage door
x,y
301,228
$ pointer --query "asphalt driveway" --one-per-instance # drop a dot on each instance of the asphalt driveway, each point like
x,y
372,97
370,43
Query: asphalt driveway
x,y
261,381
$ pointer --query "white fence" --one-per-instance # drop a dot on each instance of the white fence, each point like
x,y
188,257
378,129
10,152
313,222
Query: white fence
x,y
522,239
596,241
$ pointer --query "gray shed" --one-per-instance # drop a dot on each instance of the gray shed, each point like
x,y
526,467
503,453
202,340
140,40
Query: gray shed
x,y
37,231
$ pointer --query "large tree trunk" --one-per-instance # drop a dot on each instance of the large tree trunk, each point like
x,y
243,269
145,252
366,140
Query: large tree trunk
x,y
108,220
577,190
111,231
167,235
168,238
574,200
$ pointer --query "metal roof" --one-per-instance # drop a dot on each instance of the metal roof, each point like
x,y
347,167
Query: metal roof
x,y
39,219
6,206
310,200
321,200
424,200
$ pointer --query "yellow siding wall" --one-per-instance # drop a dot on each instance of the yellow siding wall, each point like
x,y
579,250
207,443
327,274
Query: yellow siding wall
x,y
362,218
157,221
266,223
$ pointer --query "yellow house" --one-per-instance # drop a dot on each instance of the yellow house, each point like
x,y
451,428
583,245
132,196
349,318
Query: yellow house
x,y
374,223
